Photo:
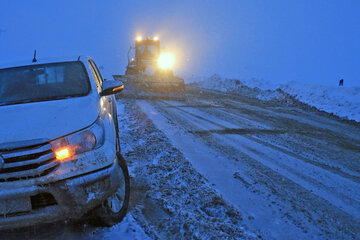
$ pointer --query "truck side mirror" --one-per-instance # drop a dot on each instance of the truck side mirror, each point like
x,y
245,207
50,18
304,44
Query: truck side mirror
x,y
111,87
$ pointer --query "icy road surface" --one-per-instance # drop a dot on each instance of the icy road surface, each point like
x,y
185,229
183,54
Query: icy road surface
x,y
291,172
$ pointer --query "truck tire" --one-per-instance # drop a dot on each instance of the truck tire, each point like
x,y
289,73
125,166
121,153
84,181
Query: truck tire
x,y
114,208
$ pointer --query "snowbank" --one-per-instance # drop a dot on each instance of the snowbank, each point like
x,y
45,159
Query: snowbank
x,y
341,101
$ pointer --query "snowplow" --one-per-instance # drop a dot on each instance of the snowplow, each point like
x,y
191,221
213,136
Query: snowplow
x,y
149,72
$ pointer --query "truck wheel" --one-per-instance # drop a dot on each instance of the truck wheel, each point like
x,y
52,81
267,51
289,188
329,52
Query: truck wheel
x,y
114,208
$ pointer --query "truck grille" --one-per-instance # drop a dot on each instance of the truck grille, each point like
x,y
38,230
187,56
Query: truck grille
x,y
27,162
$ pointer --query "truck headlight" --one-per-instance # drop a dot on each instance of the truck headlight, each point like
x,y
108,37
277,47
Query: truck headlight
x,y
79,142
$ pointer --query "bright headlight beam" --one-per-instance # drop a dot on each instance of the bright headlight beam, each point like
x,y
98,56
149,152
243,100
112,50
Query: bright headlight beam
x,y
166,61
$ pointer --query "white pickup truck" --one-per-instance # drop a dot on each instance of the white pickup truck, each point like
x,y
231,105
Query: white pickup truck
x,y
59,146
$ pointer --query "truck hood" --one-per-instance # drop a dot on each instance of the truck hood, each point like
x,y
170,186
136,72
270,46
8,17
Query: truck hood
x,y
48,119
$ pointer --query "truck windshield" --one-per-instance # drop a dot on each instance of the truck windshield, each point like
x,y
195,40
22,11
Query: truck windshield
x,y
43,82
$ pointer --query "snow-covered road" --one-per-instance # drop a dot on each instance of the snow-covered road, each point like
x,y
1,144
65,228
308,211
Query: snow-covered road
x,y
290,171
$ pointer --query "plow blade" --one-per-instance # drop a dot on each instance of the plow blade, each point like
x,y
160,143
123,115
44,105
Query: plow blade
x,y
152,87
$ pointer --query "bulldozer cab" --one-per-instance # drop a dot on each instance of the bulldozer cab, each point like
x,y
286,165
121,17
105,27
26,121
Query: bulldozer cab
x,y
147,53
147,50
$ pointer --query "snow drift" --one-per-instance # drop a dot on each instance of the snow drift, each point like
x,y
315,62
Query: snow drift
x,y
341,101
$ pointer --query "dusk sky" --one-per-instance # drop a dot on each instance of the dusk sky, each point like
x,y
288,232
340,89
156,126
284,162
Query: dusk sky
x,y
279,41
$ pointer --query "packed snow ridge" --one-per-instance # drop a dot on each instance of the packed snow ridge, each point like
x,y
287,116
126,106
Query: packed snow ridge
x,y
341,101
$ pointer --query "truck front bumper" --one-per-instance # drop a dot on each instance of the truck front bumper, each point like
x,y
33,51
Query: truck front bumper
x,y
66,199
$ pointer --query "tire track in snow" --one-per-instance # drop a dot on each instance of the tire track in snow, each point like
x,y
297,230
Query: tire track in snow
x,y
196,120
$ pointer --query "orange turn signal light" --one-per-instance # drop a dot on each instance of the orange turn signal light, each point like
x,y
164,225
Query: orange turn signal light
x,y
63,153
118,88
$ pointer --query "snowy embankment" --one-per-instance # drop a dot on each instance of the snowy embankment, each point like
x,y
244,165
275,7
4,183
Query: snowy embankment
x,y
341,101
